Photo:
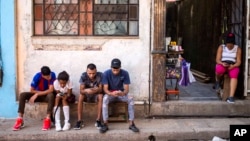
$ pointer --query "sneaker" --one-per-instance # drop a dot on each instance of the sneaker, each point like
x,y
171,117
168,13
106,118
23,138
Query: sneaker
x,y
133,128
98,124
79,125
66,126
103,128
58,127
18,125
46,124
230,100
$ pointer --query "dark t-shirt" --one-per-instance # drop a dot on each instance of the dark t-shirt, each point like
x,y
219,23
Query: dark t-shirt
x,y
41,84
84,80
115,82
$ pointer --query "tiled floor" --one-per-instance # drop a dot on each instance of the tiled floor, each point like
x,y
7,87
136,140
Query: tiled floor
x,y
195,91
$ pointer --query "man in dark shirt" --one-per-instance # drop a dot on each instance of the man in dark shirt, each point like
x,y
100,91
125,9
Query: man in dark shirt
x,y
90,91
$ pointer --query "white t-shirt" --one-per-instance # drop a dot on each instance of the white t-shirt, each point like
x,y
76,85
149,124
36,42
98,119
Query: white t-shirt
x,y
229,55
69,85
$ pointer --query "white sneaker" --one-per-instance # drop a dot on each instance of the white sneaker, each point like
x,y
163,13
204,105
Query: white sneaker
x,y
66,126
58,127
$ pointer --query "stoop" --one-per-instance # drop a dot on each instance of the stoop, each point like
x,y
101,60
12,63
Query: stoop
x,y
201,108
38,111
182,108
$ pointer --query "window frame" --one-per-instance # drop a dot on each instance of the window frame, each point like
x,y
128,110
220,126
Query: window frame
x,y
128,21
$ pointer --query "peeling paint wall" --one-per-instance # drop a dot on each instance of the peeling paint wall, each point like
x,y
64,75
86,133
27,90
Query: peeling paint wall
x,y
74,53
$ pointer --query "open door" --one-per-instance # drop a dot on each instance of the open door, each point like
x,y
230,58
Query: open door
x,y
247,53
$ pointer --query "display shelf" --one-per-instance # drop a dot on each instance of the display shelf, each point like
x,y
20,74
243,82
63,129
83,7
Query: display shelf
x,y
173,73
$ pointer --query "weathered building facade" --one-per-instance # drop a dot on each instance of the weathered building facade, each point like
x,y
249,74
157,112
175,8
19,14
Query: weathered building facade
x,y
27,43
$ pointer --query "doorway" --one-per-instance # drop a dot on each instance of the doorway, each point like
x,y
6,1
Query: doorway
x,y
202,26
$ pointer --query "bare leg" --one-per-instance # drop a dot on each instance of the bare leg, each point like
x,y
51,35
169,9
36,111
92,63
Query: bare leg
x,y
99,110
57,100
233,85
131,122
20,114
48,116
218,77
80,107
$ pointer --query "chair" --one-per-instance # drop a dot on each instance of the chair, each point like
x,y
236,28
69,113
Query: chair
x,y
226,87
118,111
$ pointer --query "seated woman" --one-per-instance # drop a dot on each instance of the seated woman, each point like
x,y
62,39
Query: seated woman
x,y
228,59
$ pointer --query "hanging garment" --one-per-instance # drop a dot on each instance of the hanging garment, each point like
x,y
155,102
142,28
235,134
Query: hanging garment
x,y
184,81
191,76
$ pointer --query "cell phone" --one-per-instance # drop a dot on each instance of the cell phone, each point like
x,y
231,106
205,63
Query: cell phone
x,y
61,94
229,62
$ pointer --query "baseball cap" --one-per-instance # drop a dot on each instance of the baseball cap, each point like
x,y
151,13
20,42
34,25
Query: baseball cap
x,y
230,38
115,63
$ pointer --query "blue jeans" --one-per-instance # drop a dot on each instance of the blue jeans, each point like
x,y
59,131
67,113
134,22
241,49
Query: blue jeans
x,y
107,99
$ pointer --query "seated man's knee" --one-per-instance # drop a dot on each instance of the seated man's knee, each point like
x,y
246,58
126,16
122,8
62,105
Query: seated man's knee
x,y
80,98
130,100
100,97
50,96
22,96
105,99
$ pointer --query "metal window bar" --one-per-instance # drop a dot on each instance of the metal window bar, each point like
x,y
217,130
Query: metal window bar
x,y
233,19
113,17
59,18
110,17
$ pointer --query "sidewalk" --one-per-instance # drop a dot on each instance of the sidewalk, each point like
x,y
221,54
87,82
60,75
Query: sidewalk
x,y
169,129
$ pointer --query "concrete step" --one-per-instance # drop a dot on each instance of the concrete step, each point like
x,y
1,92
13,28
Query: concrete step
x,y
38,111
200,108
173,120
169,129
179,108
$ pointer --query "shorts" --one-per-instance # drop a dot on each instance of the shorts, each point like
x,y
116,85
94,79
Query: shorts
x,y
233,73
91,98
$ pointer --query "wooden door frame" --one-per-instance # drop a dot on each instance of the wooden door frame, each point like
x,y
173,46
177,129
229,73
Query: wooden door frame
x,y
158,52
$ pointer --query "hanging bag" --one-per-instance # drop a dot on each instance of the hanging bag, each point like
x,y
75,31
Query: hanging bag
x,y
184,81
190,75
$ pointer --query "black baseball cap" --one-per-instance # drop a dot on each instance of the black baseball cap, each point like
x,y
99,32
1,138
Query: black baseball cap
x,y
115,63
